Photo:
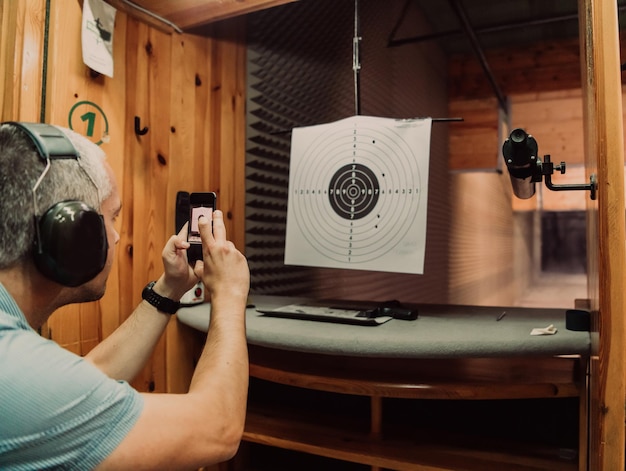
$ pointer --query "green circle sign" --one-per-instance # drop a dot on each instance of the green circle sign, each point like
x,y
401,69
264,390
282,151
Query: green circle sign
x,y
88,119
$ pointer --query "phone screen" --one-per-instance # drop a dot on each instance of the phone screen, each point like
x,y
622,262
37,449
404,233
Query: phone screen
x,y
195,214
200,205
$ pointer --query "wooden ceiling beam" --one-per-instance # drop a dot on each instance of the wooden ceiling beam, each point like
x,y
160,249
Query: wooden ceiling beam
x,y
183,15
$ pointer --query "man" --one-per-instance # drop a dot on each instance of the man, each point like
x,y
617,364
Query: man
x,y
59,410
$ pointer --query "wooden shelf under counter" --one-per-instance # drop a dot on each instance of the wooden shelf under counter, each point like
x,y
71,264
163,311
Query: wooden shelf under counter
x,y
356,410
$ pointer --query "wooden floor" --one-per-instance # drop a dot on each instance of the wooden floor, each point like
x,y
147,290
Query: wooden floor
x,y
555,290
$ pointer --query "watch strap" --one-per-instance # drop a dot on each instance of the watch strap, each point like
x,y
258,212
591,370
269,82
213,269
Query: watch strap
x,y
162,303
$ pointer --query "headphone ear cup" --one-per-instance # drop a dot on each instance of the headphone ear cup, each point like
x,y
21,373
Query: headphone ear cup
x,y
71,244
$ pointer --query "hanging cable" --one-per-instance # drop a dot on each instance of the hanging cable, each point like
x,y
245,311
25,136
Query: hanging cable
x,y
152,15
356,59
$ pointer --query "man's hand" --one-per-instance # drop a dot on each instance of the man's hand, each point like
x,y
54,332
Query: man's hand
x,y
224,269
178,277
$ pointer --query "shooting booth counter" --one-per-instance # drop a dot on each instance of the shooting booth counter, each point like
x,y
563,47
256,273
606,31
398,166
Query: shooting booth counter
x,y
461,387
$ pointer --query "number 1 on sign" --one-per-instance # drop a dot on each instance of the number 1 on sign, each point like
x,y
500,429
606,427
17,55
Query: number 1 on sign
x,y
90,117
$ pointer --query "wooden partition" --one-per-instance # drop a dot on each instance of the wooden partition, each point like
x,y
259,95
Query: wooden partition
x,y
604,156
188,91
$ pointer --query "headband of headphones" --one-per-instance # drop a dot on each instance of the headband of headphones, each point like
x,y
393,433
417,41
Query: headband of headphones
x,y
50,141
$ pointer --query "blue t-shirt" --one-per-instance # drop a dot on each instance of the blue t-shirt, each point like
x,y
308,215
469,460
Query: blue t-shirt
x,y
57,411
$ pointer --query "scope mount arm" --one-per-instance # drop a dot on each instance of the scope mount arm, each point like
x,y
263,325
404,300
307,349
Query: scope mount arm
x,y
547,168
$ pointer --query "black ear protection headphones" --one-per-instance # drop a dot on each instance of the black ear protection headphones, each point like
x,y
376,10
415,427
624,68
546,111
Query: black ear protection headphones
x,y
70,245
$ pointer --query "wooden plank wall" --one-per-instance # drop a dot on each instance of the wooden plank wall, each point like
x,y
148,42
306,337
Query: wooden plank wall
x,y
21,55
604,156
189,92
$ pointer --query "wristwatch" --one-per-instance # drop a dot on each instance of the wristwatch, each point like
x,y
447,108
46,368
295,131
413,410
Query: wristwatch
x,y
162,303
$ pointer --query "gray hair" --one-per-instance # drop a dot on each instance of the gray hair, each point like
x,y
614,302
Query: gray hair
x,y
67,179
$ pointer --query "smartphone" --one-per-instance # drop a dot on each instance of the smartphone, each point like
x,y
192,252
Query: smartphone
x,y
200,205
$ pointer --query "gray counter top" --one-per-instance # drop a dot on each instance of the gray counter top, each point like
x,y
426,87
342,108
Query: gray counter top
x,y
441,331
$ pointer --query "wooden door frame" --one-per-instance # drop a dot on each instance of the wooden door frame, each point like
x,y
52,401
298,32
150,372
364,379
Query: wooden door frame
x,y
604,157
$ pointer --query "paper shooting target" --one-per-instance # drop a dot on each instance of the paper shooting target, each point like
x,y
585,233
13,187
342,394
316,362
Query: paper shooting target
x,y
358,193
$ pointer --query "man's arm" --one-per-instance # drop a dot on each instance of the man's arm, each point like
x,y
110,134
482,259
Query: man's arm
x,y
205,425
123,354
